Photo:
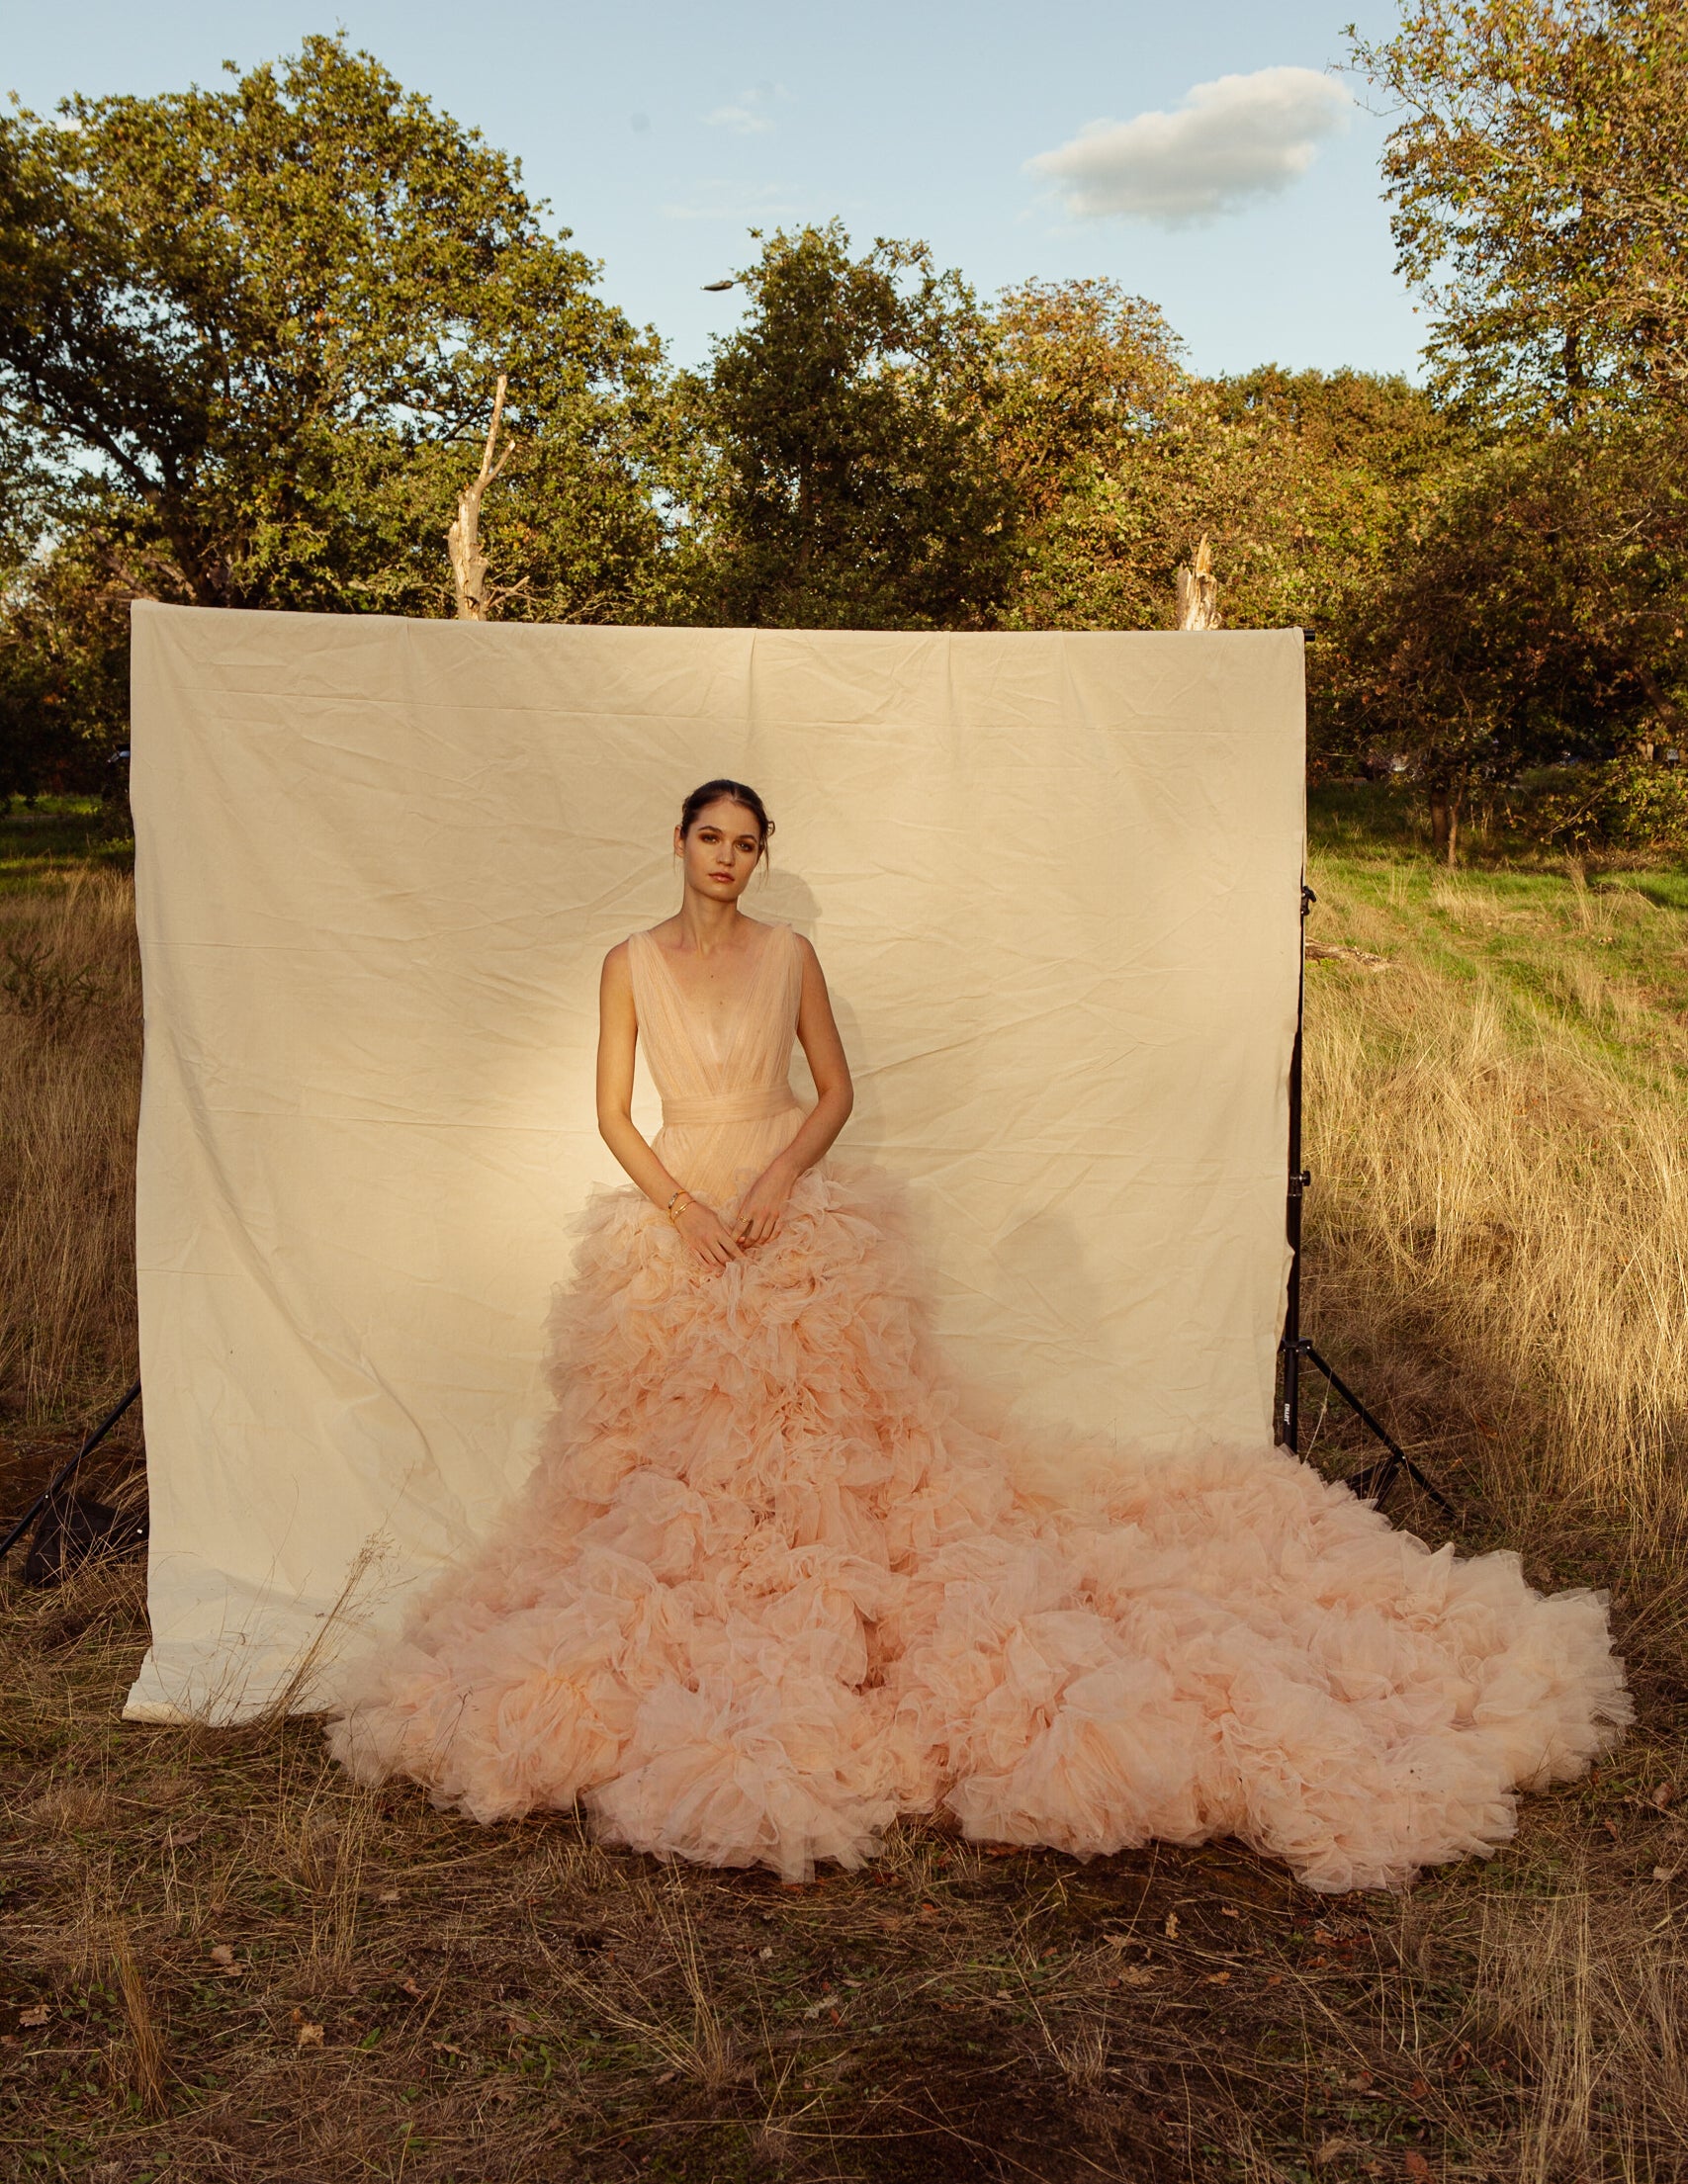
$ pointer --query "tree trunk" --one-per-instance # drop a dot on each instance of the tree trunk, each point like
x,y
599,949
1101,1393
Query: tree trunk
x,y
1445,825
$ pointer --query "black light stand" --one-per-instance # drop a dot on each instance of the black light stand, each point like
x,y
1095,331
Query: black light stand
x,y
64,1473
1375,1481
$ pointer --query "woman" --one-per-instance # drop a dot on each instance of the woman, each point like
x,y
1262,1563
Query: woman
x,y
763,1591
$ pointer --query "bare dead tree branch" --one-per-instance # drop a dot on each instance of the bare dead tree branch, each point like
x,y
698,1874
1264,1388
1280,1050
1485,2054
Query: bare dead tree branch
x,y
463,540
1198,593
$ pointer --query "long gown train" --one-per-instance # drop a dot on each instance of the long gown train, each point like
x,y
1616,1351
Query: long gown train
x,y
764,1589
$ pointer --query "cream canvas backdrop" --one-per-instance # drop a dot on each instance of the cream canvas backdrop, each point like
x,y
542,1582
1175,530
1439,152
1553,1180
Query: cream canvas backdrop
x,y
1054,883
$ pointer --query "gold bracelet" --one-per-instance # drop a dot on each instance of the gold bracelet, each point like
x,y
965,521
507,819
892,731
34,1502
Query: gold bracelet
x,y
678,1203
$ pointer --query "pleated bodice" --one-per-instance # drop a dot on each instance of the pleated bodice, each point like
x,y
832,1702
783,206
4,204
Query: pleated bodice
x,y
728,1106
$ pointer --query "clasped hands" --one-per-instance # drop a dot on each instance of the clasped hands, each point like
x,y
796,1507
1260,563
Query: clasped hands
x,y
714,1241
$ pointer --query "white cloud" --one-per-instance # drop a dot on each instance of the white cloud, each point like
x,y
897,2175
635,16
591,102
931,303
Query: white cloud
x,y
743,121
748,115
747,202
1230,141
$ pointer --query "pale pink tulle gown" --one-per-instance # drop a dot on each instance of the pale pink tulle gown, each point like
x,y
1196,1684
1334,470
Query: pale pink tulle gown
x,y
763,1592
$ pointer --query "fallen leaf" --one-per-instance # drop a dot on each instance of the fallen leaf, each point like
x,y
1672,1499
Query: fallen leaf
x,y
223,1954
1171,1926
1135,1975
1662,1795
926,1911
1216,1979
1417,2165
765,1954
37,2014
408,1986
1227,1912
310,2034
1665,1872
503,2092
1419,2090
1275,1978
446,2049
1333,2150
1003,1995
391,1895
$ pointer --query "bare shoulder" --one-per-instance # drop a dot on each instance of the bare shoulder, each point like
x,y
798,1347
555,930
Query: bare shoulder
x,y
617,967
808,964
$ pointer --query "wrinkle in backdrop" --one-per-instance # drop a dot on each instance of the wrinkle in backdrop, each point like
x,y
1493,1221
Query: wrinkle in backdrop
x,y
1054,882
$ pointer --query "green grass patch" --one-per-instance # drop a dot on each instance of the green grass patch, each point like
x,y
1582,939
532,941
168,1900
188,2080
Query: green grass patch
x,y
42,843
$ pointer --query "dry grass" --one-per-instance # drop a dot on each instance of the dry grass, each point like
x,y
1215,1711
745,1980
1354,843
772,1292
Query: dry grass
x,y
1503,1193
69,1097
228,1962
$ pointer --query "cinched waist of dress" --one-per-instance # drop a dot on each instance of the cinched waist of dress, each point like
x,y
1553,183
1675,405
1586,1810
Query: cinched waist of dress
x,y
733,1106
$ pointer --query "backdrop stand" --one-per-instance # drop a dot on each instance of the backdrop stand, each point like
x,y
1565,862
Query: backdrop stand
x,y
65,1472
1374,1482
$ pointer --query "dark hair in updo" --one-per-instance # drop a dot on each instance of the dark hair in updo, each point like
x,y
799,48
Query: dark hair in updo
x,y
735,792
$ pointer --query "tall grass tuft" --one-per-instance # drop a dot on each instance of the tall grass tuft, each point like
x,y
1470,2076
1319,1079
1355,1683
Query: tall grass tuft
x,y
69,1097
1499,1223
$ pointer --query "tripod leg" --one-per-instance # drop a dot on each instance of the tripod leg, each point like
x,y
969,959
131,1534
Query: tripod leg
x,y
65,1471
1376,1480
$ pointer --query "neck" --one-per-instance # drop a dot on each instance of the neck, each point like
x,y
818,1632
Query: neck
x,y
706,923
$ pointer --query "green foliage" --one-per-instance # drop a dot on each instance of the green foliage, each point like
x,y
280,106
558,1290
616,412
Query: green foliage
x,y
1080,370
272,315
248,339
254,332
1631,803
1538,180
853,481
1538,613
65,675
1305,483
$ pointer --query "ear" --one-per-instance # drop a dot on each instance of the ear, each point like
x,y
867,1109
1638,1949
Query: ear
x,y
679,842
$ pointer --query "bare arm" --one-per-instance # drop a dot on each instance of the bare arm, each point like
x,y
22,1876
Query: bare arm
x,y
762,1204
618,1038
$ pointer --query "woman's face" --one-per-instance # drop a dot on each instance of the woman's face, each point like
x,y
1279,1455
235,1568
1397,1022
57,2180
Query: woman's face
x,y
720,851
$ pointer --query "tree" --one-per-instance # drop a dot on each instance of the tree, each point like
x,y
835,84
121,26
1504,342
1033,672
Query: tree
x,y
1537,616
852,480
1082,371
1540,179
263,324
1304,482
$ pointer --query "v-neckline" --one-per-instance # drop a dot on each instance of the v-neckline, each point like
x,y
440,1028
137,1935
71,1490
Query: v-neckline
x,y
736,1019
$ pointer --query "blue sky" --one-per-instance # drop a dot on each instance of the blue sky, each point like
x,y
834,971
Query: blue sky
x,y
1200,156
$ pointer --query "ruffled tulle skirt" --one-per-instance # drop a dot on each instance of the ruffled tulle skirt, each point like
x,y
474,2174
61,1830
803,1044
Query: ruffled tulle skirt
x,y
764,1591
